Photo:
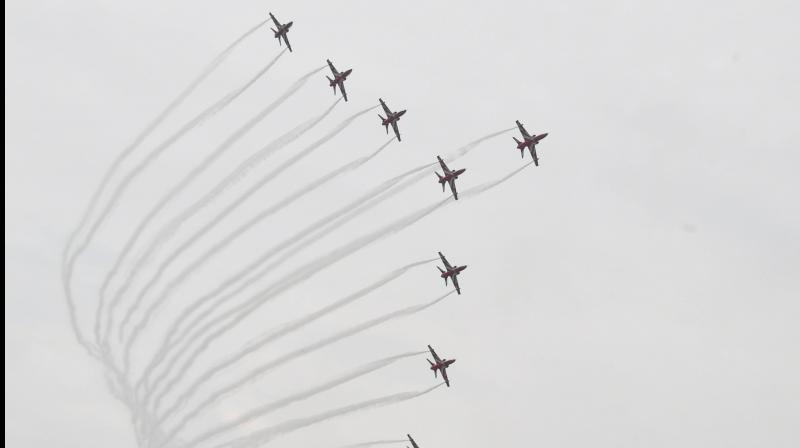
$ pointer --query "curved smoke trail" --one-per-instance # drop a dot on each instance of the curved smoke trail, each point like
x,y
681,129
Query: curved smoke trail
x,y
373,443
241,199
320,224
267,434
288,400
188,126
287,329
235,315
322,227
461,151
208,255
68,261
172,226
291,356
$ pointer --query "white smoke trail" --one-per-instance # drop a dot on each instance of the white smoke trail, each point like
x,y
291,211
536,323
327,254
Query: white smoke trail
x,y
235,315
261,370
171,227
188,126
268,434
220,216
318,226
208,255
374,442
327,220
68,259
293,398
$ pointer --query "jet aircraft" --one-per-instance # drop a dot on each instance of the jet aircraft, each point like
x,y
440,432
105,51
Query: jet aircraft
x,y
391,119
338,79
449,177
528,141
440,365
281,31
450,271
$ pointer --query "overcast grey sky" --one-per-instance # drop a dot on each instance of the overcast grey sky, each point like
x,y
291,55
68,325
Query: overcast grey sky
x,y
639,288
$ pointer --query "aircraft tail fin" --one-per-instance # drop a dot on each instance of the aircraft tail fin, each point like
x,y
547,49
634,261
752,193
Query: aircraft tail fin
x,y
441,179
435,371
333,84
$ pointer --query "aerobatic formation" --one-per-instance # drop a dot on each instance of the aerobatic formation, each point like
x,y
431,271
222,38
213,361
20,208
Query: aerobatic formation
x,y
162,401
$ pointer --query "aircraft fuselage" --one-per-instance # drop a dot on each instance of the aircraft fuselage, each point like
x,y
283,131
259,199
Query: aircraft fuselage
x,y
453,272
392,117
340,77
283,29
530,142
442,365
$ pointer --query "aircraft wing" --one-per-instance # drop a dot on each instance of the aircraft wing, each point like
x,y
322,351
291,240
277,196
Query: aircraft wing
x,y
333,69
522,130
278,24
534,155
344,92
396,131
444,260
436,357
455,195
444,167
458,291
286,39
385,108
413,443
444,377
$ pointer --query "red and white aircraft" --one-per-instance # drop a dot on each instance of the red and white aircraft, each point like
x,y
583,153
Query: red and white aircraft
x,y
450,272
440,365
281,31
528,141
391,119
449,177
338,79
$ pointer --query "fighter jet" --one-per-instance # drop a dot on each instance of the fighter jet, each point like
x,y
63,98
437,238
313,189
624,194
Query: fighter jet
x,y
439,364
281,31
449,177
413,443
528,141
450,272
391,119
338,79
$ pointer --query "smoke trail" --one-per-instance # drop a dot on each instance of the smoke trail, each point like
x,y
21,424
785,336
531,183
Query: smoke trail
x,y
267,434
235,315
67,261
154,124
359,202
301,274
294,326
286,401
320,224
208,255
173,225
282,141
241,199
374,442
188,126
254,374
